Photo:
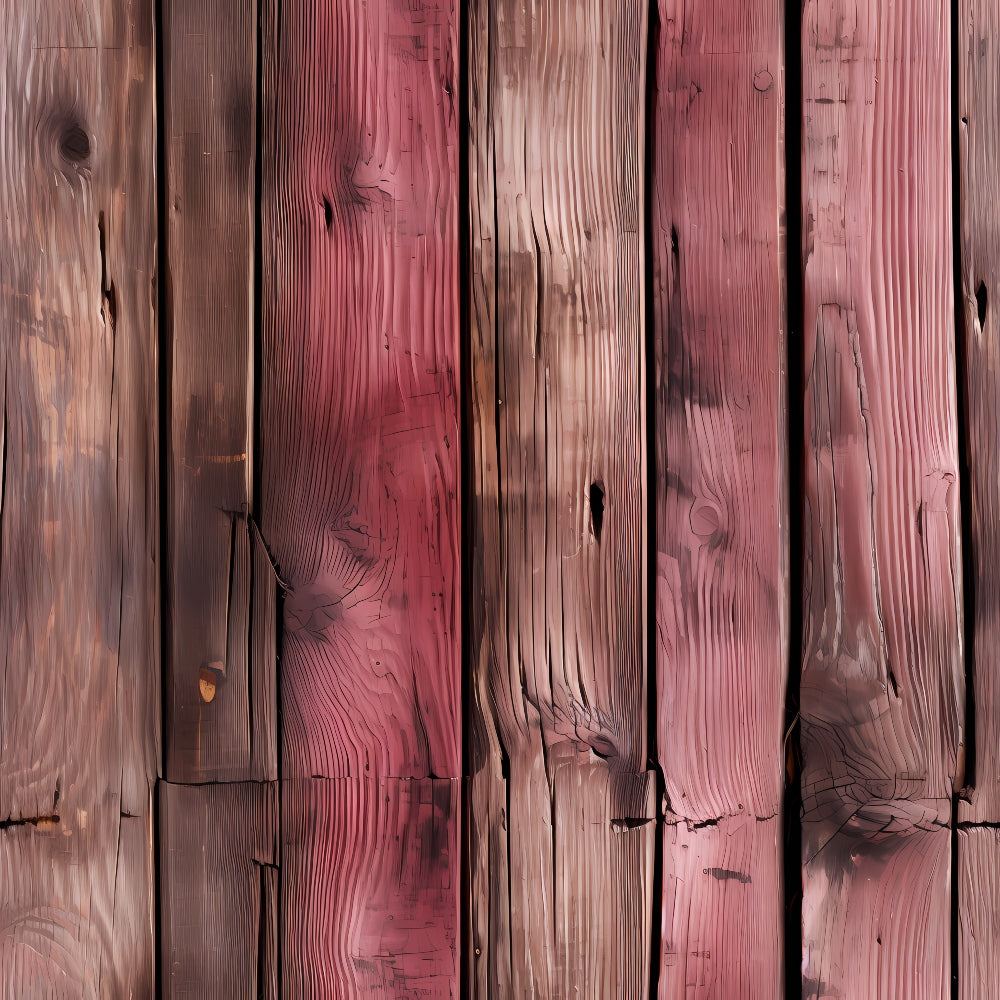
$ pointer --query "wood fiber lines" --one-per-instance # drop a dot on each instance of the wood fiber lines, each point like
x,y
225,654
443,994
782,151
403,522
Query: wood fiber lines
x,y
216,693
721,493
978,863
563,807
360,455
882,695
219,897
78,499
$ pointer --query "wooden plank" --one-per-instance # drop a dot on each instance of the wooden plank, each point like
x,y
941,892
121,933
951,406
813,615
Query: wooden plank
x,y
218,857
562,810
978,869
978,912
360,466
78,576
720,923
721,490
210,73
370,887
882,695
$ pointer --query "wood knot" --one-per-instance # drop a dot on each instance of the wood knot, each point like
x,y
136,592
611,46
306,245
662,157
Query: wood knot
x,y
208,681
74,144
763,82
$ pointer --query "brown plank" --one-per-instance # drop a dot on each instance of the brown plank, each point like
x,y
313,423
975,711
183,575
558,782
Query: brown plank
x,y
218,858
370,887
562,809
210,103
978,29
78,534
882,684
360,470
721,490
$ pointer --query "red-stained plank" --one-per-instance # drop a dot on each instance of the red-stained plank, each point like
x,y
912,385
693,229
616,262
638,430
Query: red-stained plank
x,y
562,810
370,875
721,491
78,499
882,683
219,890
359,442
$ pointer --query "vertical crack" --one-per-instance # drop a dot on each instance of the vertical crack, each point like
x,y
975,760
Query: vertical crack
x,y
795,411
653,473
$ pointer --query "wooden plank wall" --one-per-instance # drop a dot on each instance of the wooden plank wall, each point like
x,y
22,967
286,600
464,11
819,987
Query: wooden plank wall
x,y
239,384
79,705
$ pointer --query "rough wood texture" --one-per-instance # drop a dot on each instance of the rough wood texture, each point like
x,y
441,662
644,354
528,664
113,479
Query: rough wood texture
x,y
721,927
78,535
721,486
562,810
978,44
882,694
218,854
370,875
979,94
978,913
210,71
360,451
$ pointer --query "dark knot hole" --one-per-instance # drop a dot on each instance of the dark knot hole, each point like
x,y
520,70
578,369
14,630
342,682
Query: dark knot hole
x,y
597,509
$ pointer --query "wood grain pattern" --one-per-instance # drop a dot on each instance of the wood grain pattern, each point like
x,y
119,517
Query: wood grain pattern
x,y
721,927
562,809
360,468
370,875
979,133
79,529
978,912
978,43
721,489
210,72
218,864
882,694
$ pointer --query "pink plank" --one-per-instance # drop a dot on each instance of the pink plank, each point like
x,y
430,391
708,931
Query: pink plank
x,y
360,447
882,683
721,481
370,875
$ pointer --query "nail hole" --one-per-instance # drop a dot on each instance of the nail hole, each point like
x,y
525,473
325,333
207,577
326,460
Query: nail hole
x,y
75,144
597,509
981,303
327,213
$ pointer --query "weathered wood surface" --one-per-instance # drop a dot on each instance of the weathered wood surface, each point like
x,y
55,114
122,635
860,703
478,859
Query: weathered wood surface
x,y
978,913
562,812
360,470
882,696
78,535
370,876
721,493
978,44
210,103
219,890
